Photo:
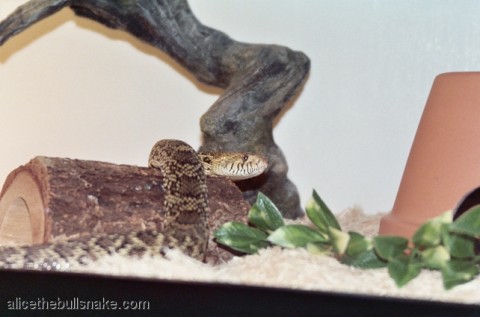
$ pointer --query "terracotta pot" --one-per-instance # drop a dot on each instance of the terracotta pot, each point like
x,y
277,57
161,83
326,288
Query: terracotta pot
x,y
444,161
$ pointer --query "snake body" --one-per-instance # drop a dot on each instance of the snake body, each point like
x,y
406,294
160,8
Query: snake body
x,y
185,224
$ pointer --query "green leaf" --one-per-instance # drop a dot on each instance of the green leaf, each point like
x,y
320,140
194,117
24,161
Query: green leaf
x,y
446,217
430,233
468,223
295,236
319,213
460,246
402,270
358,244
389,247
319,248
339,240
265,215
458,272
364,260
241,237
435,257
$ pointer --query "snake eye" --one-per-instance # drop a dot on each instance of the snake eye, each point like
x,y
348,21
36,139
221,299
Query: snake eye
x,y
207,160
245,158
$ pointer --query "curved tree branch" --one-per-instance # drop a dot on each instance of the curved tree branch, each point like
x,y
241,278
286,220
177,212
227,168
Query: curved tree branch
x,y
258,79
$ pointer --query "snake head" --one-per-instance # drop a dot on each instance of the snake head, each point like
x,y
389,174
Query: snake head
x,y
233,165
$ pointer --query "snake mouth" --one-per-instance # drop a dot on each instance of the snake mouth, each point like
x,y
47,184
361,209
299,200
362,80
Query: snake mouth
x,y
248,167
242,177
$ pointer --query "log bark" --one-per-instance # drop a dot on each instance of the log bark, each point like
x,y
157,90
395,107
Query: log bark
x,y
57,198
258,80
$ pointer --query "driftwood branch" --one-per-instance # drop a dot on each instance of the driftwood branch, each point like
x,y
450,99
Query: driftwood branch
x,y
258,79
56,198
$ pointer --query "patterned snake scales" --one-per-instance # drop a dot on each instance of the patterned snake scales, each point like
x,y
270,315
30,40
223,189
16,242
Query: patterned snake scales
x,y
185,205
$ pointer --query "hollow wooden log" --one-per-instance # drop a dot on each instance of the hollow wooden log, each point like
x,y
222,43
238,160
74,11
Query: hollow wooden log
x,y
57,198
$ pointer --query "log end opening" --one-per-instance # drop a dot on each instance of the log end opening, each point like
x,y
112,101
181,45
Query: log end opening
x,y
22,218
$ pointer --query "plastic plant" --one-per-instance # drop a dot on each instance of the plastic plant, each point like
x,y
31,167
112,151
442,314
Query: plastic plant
x,y
439,244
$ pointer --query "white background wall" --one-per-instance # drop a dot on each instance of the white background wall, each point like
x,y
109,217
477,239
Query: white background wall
x,y
70,87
